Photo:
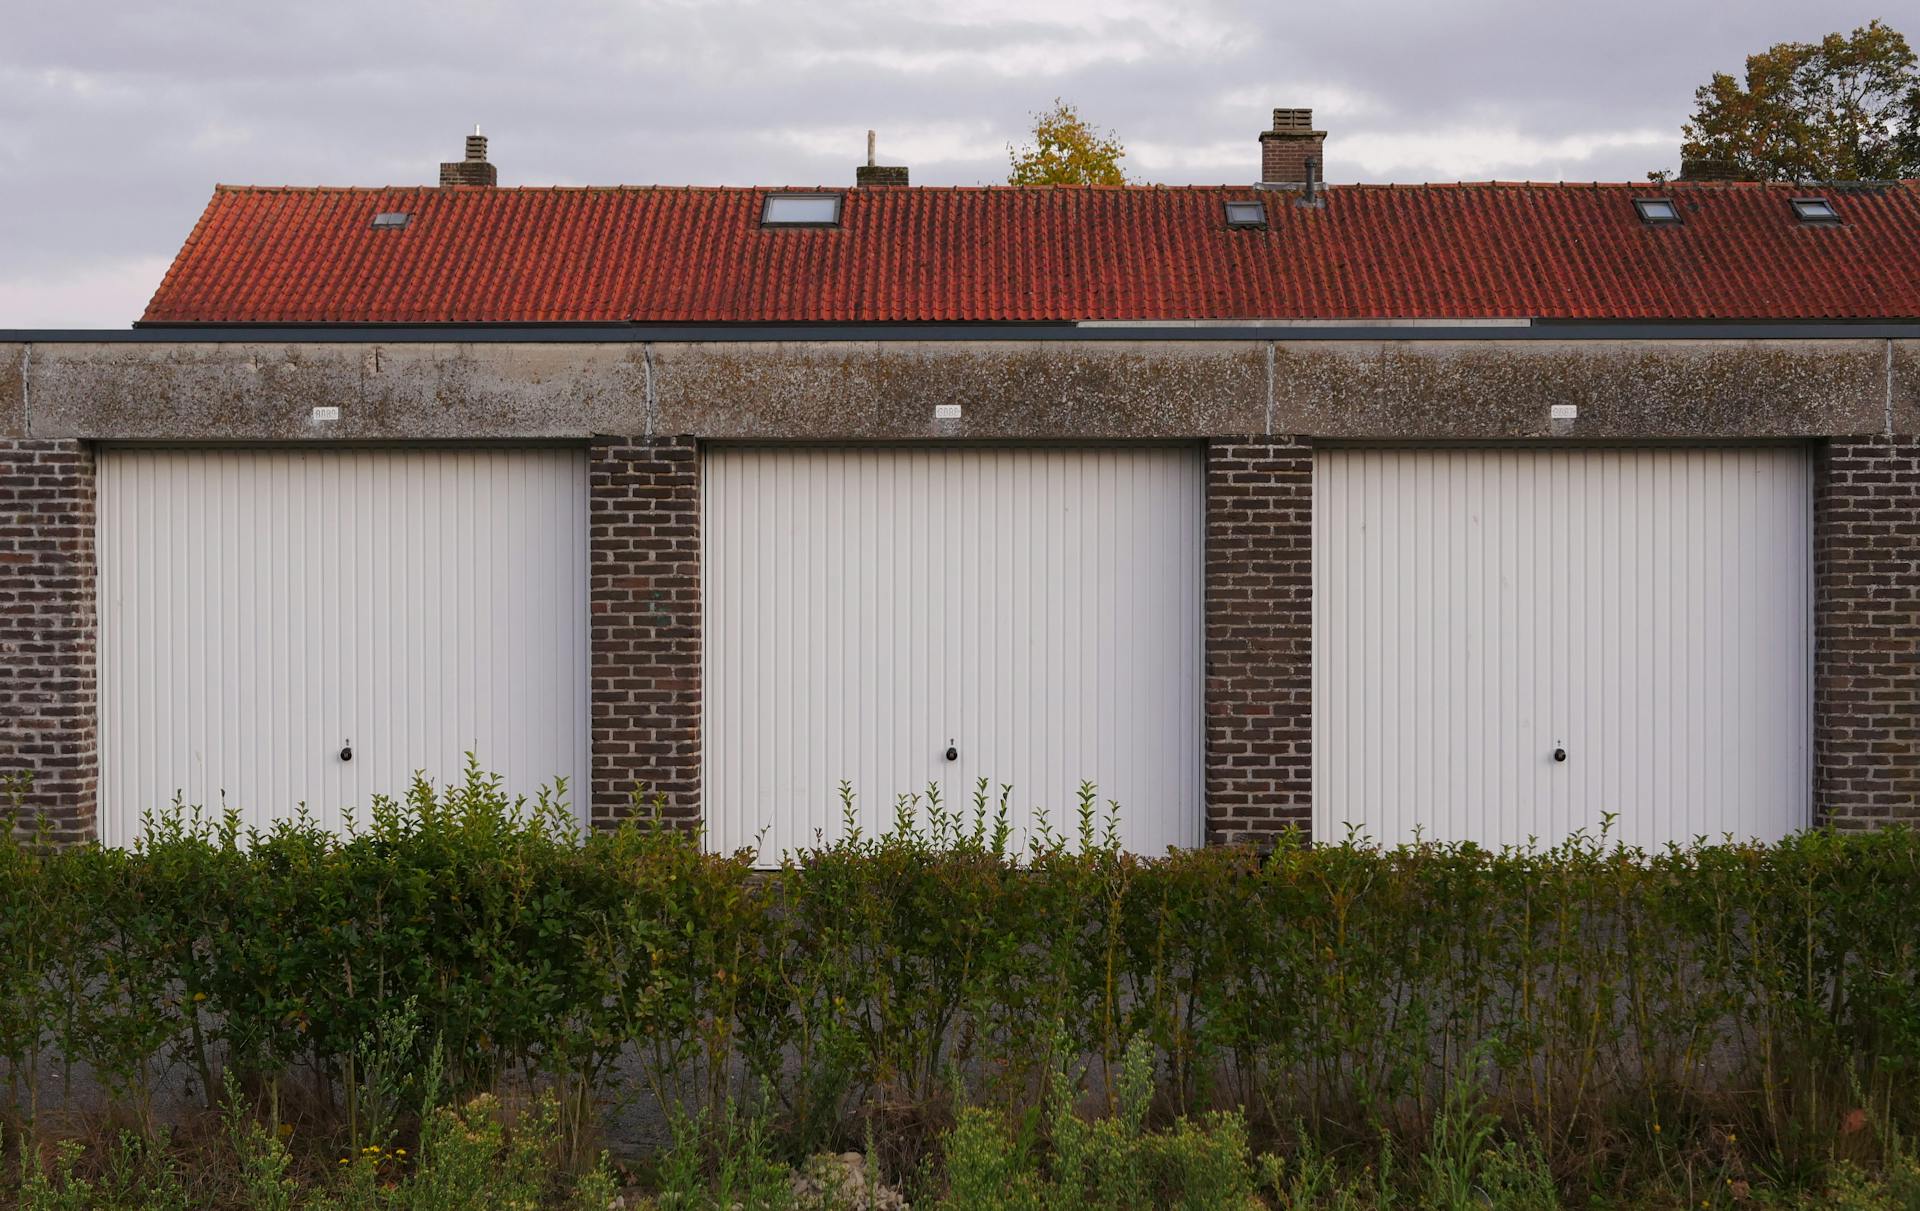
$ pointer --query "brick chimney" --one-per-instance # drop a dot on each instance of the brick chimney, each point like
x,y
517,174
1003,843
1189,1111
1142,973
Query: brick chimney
x,y
1286,149
878,174
474,170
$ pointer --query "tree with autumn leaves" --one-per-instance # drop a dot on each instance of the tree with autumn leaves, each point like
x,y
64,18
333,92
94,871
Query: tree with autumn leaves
x,y
1066,150
1845,108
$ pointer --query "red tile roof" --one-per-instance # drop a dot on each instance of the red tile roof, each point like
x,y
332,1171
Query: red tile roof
x,y
697,255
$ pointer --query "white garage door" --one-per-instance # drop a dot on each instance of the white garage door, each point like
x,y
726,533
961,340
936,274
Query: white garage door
x,y
262,610
1646,612
1036,609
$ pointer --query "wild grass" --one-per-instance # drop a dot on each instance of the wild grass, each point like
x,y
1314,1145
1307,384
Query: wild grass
x,y
1339,1025
1067,1157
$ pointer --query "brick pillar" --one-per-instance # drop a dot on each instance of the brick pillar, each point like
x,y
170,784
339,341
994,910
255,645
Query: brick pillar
x,y
1259,610
49,686
1866,560
645,596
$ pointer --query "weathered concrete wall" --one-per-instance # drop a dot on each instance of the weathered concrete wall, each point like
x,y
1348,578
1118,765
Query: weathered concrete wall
x,y
1379,390
267,391
13,391
1021,389
1903,387
1676,389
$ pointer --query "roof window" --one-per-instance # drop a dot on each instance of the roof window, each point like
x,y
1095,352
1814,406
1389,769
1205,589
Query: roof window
x,y
391,218
801,210
1657,210
1815,210
1246,214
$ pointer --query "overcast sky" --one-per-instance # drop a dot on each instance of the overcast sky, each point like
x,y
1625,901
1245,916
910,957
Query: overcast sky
x,y
117,119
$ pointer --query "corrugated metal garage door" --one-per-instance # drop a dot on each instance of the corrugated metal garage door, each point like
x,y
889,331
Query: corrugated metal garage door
x,y
261,608
1645,610
1039,608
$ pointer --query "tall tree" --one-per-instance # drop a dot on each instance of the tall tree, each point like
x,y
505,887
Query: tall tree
x,y
1845,108
1066,151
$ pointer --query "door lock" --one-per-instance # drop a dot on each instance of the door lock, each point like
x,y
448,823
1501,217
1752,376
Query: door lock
x,y
346,751
953,754
1560,754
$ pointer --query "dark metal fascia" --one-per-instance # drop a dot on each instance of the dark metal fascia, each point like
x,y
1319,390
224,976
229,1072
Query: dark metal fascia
x,y
755,333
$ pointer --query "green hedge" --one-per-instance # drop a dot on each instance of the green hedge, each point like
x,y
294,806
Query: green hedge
x,y
1596,992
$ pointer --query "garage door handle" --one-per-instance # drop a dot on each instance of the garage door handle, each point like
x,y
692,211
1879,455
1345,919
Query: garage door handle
x,y
1559,754
346,751
953,754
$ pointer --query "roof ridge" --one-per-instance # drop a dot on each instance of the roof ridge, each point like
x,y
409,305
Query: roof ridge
x,y
1127,188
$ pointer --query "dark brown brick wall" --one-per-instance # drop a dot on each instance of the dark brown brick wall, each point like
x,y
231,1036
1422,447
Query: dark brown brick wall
x,y
1259,611
644,520
646,646
48,683
1867,632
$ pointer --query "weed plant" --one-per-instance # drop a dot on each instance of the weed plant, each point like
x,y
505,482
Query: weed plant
x,y
1464,1022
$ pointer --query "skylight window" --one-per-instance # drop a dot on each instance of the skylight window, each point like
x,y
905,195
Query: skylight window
x,y
801,210
1815,210
1657,210
391,218
1246,214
